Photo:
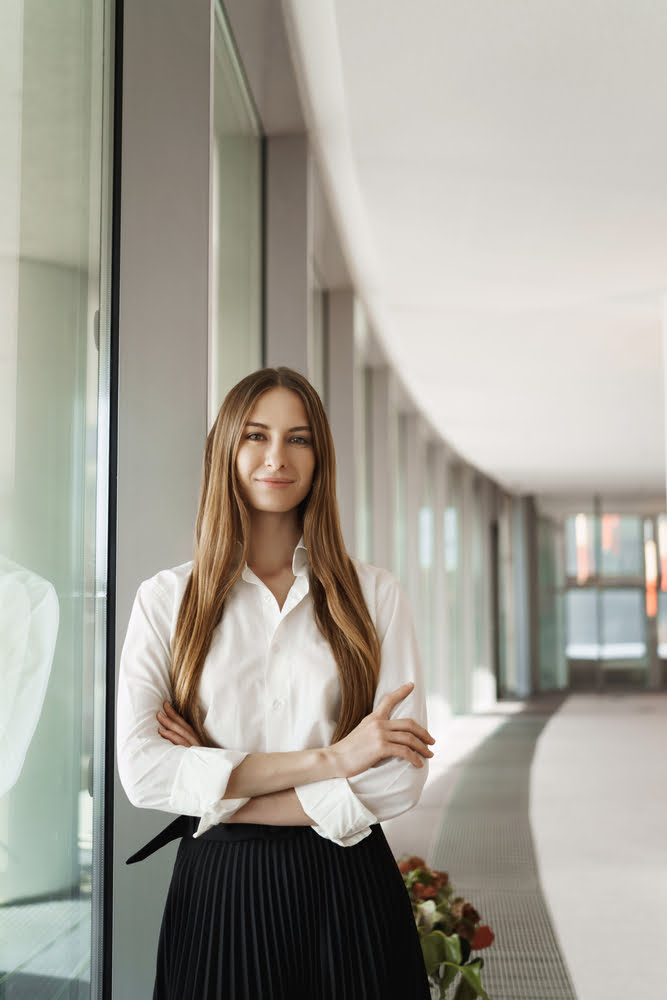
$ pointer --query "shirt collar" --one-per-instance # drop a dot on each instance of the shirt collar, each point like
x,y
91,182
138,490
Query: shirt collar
x,y
300,560
300,563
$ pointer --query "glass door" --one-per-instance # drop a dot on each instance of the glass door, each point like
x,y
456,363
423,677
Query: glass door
x,y
54,357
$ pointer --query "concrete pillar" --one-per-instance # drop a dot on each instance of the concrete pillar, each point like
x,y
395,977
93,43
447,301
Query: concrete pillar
x,y
343,405
163,353
383,462
288,251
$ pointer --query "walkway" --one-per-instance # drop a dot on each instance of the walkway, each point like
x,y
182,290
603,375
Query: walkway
x,y
552,818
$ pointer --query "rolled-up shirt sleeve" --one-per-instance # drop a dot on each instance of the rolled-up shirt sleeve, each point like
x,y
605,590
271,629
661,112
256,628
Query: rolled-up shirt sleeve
x,y
154,773
343,809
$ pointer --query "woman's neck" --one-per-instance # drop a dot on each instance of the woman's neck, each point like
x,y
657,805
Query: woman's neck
x,y
273,539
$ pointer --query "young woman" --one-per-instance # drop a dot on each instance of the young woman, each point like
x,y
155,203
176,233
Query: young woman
x,y
270,692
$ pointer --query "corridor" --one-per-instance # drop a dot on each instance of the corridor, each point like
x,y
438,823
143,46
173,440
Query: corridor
x,y
550,817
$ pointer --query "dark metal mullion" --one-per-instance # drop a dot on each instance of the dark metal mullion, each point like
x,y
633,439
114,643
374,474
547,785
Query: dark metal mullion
x,y
110,713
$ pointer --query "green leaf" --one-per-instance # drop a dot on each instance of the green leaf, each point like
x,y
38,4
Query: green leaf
x,y
439,948
449,975
453,946
434,950
471,982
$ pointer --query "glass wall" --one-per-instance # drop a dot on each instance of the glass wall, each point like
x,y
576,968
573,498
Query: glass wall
x,y
426,554
364,459
236,344
553,664
452,555
401,504
610,602
54,353
318,338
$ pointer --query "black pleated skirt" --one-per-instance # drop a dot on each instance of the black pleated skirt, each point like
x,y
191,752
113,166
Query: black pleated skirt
x,y
279,913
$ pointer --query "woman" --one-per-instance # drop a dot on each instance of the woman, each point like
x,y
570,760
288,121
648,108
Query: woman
x,y
270,692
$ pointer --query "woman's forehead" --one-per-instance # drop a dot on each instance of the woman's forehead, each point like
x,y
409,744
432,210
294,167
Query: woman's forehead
x,y
279,406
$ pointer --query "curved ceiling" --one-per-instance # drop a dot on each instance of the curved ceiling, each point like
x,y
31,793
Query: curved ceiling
x,y
499,177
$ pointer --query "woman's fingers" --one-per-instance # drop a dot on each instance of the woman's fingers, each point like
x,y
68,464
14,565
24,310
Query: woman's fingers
x,y
407,739
174,728
388,702
411,726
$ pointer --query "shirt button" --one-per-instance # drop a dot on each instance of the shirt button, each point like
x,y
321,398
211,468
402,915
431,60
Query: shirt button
x,y
277,703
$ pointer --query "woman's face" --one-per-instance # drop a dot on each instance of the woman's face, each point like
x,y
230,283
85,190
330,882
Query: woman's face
x,y
275,460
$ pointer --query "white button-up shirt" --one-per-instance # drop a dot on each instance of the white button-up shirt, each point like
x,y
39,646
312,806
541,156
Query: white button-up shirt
x,y
269,683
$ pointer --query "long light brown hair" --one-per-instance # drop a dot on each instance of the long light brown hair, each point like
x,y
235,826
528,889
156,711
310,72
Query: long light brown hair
x,y
223,521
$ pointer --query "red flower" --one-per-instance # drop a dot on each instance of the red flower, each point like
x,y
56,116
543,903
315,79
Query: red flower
x,y
484,937
429,892
418,890
470,913
440,879
404,867
416,862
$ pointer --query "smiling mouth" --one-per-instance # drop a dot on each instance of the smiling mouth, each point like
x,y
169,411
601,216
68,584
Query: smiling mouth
x,y
276,482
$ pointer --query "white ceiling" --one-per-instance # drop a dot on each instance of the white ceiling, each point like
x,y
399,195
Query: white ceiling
x,y
499,175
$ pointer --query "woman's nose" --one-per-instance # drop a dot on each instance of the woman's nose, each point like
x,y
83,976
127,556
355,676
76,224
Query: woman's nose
x,y
274,457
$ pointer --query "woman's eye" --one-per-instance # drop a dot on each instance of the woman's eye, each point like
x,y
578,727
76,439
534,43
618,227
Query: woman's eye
x,y
300,440
255,436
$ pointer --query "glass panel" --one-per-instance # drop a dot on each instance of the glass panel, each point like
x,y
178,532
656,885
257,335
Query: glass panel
x,y
478,576
580,545
364,460
621,545
623,625
452,538
609,625
426,552
400,504
51,166
318,343
506,644
553,665
236,330
662,550
582,625
662,625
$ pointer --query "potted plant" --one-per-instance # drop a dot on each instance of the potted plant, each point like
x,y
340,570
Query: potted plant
x,y
450,930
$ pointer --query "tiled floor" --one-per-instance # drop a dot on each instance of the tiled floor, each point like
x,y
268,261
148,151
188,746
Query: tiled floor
x,y
594,810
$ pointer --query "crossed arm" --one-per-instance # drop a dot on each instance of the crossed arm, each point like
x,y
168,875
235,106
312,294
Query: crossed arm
x,y
269,779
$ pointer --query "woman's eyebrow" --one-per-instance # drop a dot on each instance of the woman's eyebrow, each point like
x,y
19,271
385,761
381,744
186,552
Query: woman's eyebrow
x,y
291,430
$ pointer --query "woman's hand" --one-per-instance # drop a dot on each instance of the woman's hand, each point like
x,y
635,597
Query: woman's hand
x,y
174,728
377,737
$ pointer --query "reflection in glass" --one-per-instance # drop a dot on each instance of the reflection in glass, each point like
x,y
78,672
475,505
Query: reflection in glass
x,y
51,129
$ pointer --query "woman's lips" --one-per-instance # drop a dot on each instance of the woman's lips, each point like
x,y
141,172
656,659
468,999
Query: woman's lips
x,y
276,484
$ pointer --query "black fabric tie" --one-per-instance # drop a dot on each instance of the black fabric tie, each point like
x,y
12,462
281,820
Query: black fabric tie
x,y
182,826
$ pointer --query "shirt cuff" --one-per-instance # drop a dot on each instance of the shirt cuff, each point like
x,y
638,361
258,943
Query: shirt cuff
x,y
201,781
219,813
337,814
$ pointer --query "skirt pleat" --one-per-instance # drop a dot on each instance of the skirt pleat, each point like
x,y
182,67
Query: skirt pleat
x,y
280,913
